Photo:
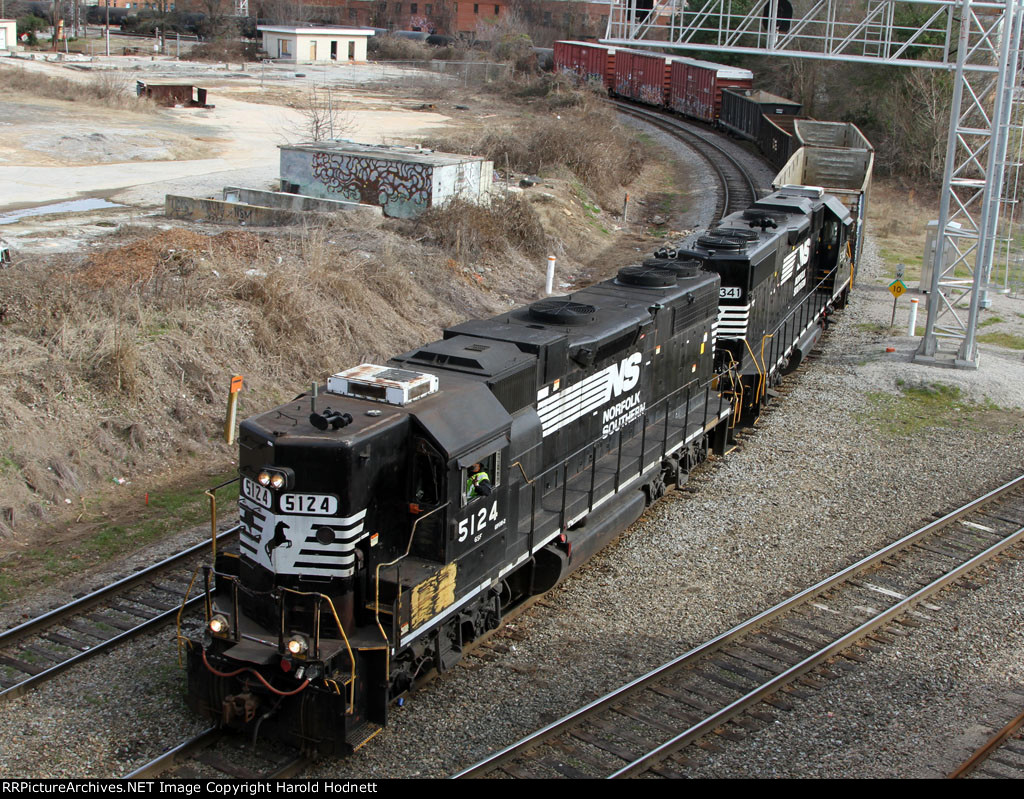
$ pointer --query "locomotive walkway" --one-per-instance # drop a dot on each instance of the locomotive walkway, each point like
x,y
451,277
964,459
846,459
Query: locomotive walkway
x,y
642,726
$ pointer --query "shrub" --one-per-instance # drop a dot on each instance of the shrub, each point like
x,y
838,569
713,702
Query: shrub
x,y
585,138
474,231
111,89
30,24
398,48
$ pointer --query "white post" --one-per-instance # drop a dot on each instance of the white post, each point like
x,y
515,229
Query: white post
x,y
549,287
912,321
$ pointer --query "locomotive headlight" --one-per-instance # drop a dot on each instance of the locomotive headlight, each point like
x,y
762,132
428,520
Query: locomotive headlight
x,y
276,478
219,625
297,645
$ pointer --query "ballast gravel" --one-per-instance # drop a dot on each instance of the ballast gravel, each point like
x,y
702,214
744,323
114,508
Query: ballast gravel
x,y
824,481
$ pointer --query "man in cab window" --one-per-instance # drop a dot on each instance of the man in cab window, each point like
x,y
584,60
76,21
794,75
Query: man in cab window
x,y
478,484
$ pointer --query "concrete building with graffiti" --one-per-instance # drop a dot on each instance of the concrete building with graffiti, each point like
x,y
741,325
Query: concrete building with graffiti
x,y
403,181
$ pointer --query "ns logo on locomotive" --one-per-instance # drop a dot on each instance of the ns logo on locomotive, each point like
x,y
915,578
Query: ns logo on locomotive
x,y
399,515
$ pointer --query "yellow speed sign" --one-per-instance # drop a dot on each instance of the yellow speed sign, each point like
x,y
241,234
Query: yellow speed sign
x,y
898,288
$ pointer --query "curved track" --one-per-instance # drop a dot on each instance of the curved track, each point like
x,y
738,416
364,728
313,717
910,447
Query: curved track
x,y
738,190
640,727
42,648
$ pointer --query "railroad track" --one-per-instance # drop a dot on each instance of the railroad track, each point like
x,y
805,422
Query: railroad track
x,y
718,686
1001,757
44,647
216,754
738,189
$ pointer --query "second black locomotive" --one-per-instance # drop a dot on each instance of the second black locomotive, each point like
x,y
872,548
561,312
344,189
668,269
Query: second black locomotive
x,y
398,515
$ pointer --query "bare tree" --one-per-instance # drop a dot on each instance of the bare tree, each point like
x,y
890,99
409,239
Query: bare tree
x,y
286,12
322,118
915,113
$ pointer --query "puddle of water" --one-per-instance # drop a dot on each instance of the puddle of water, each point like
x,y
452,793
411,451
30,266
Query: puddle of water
x,y
88,204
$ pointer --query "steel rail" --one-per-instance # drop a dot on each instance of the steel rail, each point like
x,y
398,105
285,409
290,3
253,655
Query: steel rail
x,y
31,682
657,121
655,756
52,618
982,754
9,636
508,753
683,132
159,764
204,740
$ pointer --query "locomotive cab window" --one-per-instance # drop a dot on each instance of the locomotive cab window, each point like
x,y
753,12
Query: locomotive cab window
x,y
480,478
831,233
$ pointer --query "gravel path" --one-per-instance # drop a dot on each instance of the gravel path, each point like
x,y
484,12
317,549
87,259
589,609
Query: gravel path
x,y
824,482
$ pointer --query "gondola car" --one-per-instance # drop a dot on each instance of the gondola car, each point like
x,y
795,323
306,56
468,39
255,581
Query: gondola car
x,y
369,556
744,111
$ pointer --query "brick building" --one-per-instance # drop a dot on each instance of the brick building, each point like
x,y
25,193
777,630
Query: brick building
x,y
544,20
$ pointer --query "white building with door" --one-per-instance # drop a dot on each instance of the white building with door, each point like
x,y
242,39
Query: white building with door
x,y
8,34
311,45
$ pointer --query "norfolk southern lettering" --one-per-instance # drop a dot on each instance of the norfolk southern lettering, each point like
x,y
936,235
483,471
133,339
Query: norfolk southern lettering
x,y
365,558
622,414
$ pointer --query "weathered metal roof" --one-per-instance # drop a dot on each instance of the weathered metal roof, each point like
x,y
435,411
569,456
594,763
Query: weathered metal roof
x,y
387,152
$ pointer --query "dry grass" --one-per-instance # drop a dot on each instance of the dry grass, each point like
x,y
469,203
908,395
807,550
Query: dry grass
x,y
110,89
227,50
897,218
118,363
398,48
472,232
582,136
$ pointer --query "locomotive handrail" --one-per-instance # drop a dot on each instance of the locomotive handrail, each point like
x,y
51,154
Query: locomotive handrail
x,y
521,469
181,610
376,587
764,366
212,494
563,464
757,366
351,681
238,635
804,314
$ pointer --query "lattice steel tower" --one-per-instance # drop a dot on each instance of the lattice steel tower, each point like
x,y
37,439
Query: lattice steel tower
x,y
979,42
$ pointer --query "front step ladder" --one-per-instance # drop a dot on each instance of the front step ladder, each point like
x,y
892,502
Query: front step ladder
x,y
357,737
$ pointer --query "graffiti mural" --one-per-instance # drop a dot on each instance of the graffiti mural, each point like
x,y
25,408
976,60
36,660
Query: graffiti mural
x,y
375,181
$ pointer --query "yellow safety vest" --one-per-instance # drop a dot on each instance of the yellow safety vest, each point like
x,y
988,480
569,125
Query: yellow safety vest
x,y
473,481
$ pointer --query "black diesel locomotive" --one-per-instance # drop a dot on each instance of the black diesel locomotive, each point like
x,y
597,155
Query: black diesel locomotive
x,y
372,549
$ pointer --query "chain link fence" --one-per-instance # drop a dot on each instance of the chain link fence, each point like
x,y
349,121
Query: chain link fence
x,y
446,73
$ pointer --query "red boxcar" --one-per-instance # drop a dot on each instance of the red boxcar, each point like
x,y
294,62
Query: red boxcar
x,y
586,60
695,87
642,76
